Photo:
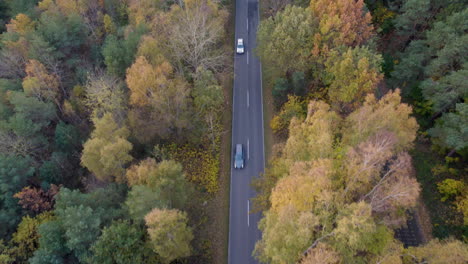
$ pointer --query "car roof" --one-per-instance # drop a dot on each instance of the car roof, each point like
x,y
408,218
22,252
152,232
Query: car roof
x,y
238,147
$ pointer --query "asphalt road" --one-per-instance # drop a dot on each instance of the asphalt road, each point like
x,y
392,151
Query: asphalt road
x,y
247,129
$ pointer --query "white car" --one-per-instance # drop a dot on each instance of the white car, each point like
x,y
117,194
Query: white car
x,y
240,46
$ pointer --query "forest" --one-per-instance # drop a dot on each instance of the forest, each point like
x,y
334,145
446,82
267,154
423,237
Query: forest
x,y
113,112
369,127
110,129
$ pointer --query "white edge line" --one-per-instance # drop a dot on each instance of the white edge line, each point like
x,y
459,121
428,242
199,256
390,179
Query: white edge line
x,y
248,149
261,93
248,215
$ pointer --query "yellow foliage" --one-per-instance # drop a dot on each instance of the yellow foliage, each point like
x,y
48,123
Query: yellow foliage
x,y
21,24
201,166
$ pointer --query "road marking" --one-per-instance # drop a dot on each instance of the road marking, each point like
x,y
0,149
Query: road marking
x,y
247,57
248,215
248,99
247,24
248,150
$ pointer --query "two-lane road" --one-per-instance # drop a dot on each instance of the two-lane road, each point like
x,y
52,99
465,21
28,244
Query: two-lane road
x,y
247,129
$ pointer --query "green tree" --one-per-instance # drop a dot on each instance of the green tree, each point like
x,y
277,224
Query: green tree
x,y
52,248
289,36
446,91
107,151
169,233
451,130
65,33
121,243
105,202
166,178
81,228
119,52
66,137
141,200
280,90
415,17
14,173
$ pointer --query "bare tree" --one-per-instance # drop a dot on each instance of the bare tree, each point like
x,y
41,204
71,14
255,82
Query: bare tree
x,y
194,35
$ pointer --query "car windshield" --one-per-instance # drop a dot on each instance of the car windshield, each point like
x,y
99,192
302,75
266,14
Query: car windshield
x,y
240,46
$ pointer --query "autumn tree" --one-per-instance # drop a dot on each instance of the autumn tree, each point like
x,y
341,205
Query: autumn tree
x,y
39,83
107,151
387,183
436,251
312,138
293,108
143,80
151,48
357,232
169,234
37,200
368,120
341,22
307,187
161,100
322,253
285,235
351,74
351,190
105,94
143,11
26,237
21,24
